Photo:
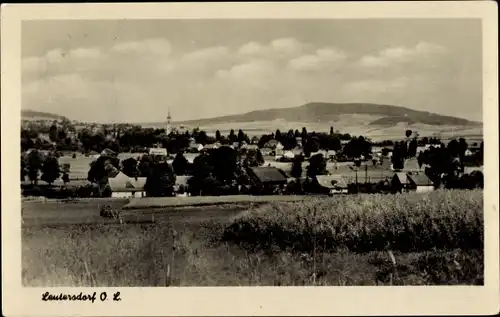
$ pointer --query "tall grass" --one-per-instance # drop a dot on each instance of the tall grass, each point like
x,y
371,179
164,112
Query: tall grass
x,y
363,223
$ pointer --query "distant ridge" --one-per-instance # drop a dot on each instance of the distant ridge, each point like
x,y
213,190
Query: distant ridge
x,y
326,112
38,115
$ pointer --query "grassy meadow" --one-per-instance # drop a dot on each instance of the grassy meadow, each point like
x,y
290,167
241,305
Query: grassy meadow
x,y
409,239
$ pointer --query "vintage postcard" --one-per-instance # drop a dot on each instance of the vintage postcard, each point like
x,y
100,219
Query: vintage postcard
x,y
236,159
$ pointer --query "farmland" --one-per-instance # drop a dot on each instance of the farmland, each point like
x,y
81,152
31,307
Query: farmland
x,y
335,241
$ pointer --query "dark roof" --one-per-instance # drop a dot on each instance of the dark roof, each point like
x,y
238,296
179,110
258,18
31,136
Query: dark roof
x,y
402,177
269,174
420,180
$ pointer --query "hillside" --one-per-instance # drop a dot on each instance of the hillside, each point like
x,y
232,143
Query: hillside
x,y
318,112
38,115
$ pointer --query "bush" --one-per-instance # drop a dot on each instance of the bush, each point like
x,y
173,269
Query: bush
x,y
409,222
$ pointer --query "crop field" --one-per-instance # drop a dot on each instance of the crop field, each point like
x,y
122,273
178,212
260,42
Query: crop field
x,y
409,239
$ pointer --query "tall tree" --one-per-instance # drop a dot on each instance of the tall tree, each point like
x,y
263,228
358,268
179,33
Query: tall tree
x,y
408,133
232,137
304,134
34,165
296,171
180,164
277,135
331,130
217,136
160,181
50,169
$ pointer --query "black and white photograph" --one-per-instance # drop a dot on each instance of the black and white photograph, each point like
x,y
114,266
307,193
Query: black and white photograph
x,y
245,152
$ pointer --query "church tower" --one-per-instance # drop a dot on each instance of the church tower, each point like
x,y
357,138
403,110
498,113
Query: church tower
x,y
168,127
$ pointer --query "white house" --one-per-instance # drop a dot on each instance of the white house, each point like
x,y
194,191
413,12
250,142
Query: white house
x,y
158,151
123,186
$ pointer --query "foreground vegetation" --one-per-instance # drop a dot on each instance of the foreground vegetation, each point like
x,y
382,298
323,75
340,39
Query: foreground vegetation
x,y
363,223
308,243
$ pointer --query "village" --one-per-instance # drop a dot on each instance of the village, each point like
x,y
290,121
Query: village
x,y
292,163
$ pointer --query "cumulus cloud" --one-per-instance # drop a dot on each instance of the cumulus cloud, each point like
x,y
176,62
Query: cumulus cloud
x,y
392,55
250,48
287,46
322,58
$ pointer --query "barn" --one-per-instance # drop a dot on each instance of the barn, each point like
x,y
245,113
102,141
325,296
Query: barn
x,y
267,179
420,183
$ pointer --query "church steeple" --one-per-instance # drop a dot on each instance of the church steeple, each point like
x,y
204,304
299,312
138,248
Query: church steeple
x,y
169,121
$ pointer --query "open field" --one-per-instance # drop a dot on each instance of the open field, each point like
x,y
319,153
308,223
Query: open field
x,y
61,249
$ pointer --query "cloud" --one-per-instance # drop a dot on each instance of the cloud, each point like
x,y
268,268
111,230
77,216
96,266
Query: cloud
x,y
287,46
392,55
322,58
250,48
142,79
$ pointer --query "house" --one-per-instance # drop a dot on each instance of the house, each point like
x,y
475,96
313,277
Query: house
x,y
212,146
330,184
196,147
181,183
158,151
298,151
420,183
250,147
468,152
123,186
266,151
267,180
400,182
108,152
274,144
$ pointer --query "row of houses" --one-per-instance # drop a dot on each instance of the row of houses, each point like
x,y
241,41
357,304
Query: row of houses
x,y
270,180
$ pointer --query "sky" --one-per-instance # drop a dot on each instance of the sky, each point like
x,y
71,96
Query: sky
x,y
136,70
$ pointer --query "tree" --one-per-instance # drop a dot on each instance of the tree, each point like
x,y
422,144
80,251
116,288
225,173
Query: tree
x,y
408,133
224,162
317,166
296,171
23,169
311,145
412,148
331,130
463,146
160,181
217,136
242,137
50,170
100,171
53,133
34,165
65,171
253,158
129,167
277,135
232,137
304,134
180,164
357,147
202,137
398,155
